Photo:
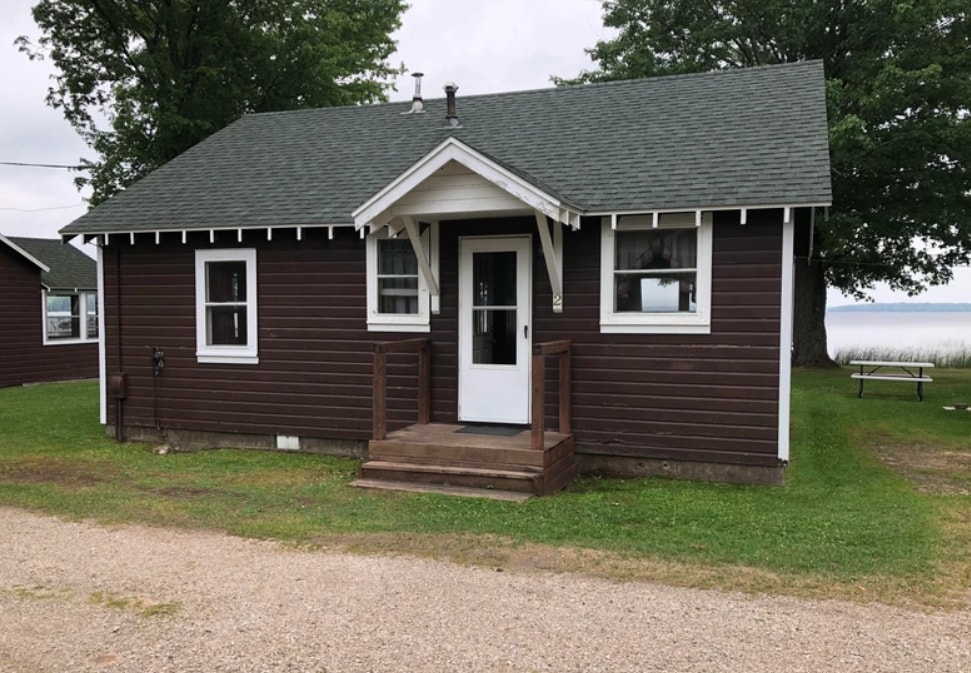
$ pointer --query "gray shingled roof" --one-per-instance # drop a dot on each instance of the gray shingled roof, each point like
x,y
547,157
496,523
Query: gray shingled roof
x,y
751,137
70,269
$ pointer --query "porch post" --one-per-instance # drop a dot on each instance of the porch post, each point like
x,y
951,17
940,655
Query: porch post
x,y
539,395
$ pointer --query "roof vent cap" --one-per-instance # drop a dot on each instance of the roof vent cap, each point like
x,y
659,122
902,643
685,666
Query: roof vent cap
x,y
451,116
417,104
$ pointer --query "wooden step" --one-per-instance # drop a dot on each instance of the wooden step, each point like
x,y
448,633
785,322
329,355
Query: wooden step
x,y
461,491
397,451
448,475
465,451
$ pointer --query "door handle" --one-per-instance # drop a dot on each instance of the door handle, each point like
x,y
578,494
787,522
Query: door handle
x,y
525,331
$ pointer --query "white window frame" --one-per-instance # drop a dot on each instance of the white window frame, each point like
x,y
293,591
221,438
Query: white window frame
x,y
83,299
698,322
248,354
397,322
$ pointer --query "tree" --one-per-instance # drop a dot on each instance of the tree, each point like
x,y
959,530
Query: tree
x,y
898,91
144,80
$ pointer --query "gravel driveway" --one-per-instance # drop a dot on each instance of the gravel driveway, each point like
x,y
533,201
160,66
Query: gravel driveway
x,y
80,597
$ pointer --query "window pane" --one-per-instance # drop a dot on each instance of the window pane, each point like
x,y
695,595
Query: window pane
x,y
63,316
398,295
91,321
58,304
494,278
226,281
63,327
646,293
656,249
227,325
396,257
494,337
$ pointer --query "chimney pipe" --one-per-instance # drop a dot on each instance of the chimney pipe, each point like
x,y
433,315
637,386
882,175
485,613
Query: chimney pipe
x,y
451,117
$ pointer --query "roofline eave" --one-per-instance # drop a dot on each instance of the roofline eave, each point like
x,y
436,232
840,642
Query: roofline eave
x,y
114,231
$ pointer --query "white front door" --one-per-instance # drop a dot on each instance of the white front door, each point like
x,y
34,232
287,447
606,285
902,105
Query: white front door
x,y
494,329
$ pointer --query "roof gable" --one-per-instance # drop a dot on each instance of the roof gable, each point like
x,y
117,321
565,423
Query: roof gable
x,y
23,253
64,267
746,138
376,210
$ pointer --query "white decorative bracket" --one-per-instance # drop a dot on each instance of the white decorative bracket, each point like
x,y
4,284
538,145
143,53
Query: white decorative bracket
x,y
553,254
423,265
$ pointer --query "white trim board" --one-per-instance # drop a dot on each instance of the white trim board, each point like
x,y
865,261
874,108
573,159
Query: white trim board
x,y
785,338
102,352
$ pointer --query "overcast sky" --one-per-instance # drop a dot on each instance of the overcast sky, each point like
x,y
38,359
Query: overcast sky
x,y
485,47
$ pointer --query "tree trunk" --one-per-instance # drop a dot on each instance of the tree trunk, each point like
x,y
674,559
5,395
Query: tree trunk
x,y
809,316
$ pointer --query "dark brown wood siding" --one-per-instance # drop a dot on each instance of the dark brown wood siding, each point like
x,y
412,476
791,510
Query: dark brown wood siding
x,y
695,397
23,356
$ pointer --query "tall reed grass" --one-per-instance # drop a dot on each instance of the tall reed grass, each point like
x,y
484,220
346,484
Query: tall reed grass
x,y
958,358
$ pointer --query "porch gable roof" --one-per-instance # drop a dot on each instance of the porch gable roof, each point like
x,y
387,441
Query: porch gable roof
x,y
520,186
745,138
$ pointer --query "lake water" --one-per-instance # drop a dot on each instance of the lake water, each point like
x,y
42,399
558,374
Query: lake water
x,y
906,331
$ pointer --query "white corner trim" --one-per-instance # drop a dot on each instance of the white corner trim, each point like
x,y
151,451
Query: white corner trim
x,y
786,290
452,149
102,348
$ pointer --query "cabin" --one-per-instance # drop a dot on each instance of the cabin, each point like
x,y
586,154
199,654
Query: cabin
x,y
49,313
492,291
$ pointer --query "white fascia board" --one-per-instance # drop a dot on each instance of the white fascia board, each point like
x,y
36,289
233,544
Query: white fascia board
x,y
452,149
182,231
691,208
30,258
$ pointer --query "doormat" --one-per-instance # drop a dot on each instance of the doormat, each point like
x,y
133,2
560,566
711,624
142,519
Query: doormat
x,y
498,430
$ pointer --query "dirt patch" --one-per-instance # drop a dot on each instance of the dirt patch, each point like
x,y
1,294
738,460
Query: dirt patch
x,y
930,469
185,491
55,472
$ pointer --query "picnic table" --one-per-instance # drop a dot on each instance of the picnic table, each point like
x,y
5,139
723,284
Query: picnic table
x,y
877,370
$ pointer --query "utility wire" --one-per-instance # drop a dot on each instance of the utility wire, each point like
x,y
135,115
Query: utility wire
x,y
37,210
22,164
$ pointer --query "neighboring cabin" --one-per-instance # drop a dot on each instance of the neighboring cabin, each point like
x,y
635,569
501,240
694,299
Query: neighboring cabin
x,y
648,225
49,312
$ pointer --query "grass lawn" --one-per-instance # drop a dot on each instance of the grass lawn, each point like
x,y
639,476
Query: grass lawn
x,y
876,504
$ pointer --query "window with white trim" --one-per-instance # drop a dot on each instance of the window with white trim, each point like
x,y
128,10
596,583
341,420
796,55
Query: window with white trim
x,y
70,317
656,279
398,299
226,313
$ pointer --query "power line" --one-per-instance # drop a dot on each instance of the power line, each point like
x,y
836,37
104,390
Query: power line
x,y
22,164
37,210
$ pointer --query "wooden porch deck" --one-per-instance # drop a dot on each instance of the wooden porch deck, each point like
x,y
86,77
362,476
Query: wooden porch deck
x,y
462,463
441,457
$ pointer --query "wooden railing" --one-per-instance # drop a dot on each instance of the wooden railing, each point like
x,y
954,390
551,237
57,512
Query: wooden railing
x,y
540,351
379,405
